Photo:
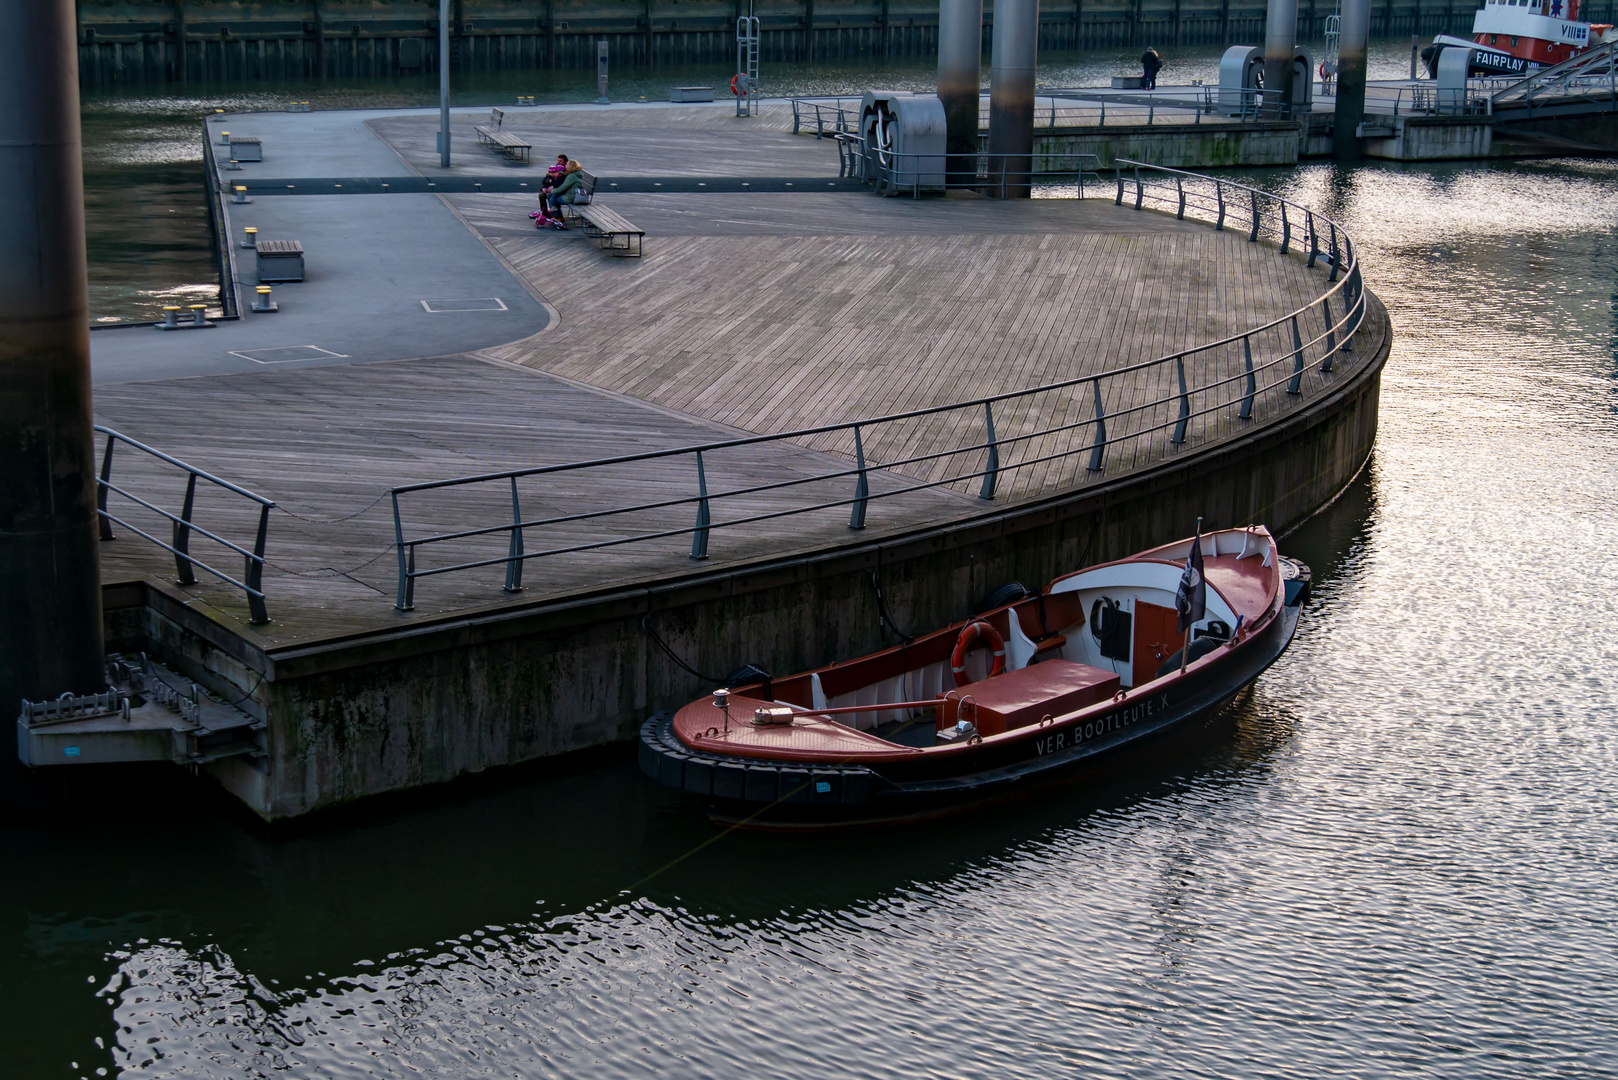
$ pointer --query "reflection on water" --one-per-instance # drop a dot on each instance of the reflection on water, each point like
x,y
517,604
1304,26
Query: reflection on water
x,y
1392,857
147,221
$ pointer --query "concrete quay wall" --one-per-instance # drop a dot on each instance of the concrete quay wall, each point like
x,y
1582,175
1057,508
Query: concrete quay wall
x,y
1178,145
143,41
399,709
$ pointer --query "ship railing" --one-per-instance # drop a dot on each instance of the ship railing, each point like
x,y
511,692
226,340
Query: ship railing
x,y
998,448
182,526
892,173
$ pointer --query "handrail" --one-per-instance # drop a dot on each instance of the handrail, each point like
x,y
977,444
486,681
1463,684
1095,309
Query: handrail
x,y
252,582
1598,61
835,107
893,172
1210,391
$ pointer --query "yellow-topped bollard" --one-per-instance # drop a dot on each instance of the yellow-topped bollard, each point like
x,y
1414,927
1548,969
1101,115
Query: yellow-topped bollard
x,y
263,303
171,316
240,198
224,138
250,237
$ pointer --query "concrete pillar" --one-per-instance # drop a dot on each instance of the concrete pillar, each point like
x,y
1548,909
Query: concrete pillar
x,y
960,60
1280,41
50,587
1355,27
1011,96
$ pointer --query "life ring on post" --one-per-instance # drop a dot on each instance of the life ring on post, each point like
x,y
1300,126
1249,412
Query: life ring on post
x,y
734,79
970,633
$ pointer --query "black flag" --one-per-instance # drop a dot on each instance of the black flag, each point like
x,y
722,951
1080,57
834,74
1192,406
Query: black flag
x,y
1191,599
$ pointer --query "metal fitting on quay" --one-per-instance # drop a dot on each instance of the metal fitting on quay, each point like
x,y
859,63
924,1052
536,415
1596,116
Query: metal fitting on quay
x,y
262,303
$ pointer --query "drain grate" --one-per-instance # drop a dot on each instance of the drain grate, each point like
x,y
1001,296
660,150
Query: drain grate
x,y
477,303
288,354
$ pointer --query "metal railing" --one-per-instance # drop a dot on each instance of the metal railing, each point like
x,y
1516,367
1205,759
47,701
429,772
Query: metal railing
x,y
1396,101
1242,105
182,525
1017,444
1581,78
893,173
828,117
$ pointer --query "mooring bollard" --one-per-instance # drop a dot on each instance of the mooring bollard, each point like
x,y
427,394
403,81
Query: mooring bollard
x,y
525,99
171,317
233,165
241,195
250,237
224,138
199,314
263,303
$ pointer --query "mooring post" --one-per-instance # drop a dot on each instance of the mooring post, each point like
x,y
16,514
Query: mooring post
x,y
50,586
1011,92
1280,43
960,62
1355,29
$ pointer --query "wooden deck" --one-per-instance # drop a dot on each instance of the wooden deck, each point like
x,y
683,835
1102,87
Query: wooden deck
x,y
748,314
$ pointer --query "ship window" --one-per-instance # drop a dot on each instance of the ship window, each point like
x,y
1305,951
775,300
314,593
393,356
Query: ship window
x,y
1492,40
1513,42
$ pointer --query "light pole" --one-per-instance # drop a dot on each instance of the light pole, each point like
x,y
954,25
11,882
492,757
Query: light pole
x,y
443,83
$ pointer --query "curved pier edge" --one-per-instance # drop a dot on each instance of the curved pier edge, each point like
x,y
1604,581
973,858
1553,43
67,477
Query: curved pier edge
x,y
392,710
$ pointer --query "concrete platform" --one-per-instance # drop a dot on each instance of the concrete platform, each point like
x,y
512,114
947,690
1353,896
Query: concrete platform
x,y
750,313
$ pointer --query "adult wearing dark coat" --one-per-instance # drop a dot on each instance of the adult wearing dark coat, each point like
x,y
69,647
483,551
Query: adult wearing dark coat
x,y
1150,62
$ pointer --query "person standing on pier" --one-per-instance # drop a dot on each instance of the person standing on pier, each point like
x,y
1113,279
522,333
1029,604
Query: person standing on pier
x,y
1150,62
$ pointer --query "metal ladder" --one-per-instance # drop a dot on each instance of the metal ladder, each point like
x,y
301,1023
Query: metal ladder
x,y
747,64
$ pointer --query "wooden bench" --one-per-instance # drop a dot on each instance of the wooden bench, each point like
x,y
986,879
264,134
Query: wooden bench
x,y
610,229
495,137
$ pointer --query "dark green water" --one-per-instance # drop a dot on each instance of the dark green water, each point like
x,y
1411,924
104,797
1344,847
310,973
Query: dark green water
x,y
1393,858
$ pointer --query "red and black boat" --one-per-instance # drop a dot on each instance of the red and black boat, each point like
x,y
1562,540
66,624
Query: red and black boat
x,y
1015,698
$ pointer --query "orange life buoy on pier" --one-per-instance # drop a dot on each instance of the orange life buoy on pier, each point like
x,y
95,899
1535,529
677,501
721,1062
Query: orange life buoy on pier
x,y
733,81
969,636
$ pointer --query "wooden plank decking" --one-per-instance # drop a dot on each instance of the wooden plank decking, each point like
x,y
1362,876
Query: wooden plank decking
x,y
748,314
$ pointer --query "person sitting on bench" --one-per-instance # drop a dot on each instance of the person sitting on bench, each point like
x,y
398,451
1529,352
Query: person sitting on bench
x,y
553,176
566,192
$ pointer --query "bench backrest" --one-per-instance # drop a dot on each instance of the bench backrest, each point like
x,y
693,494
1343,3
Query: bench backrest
x,y
496,117
588,181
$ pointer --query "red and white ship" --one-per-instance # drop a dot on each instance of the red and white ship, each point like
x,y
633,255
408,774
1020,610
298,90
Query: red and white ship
x,y
1514,37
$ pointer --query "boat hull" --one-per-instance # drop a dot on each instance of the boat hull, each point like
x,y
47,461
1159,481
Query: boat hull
x,y
770,795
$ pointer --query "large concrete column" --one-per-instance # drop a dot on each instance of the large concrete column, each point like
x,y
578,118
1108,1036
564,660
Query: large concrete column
x,y
443,83
960,60
1280,42
50,589
1011,95
1355,27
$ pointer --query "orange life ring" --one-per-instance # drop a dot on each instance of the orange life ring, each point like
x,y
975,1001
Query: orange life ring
x,y
969,635
734,79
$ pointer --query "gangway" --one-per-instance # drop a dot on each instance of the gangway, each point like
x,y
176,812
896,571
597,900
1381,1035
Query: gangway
x,y
1580,85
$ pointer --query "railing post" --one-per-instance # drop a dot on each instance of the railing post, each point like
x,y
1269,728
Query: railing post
x,y
255,571
514,558
1119,169
1286,229
991,470
1219,193
1331,335
1185,403
1252,237
1179,185
407,562
699,540
1252,383
1357,312
1335,259
1314,238
182,535
1297,359
862,488
795,118
1138,189
1099,446
101,491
